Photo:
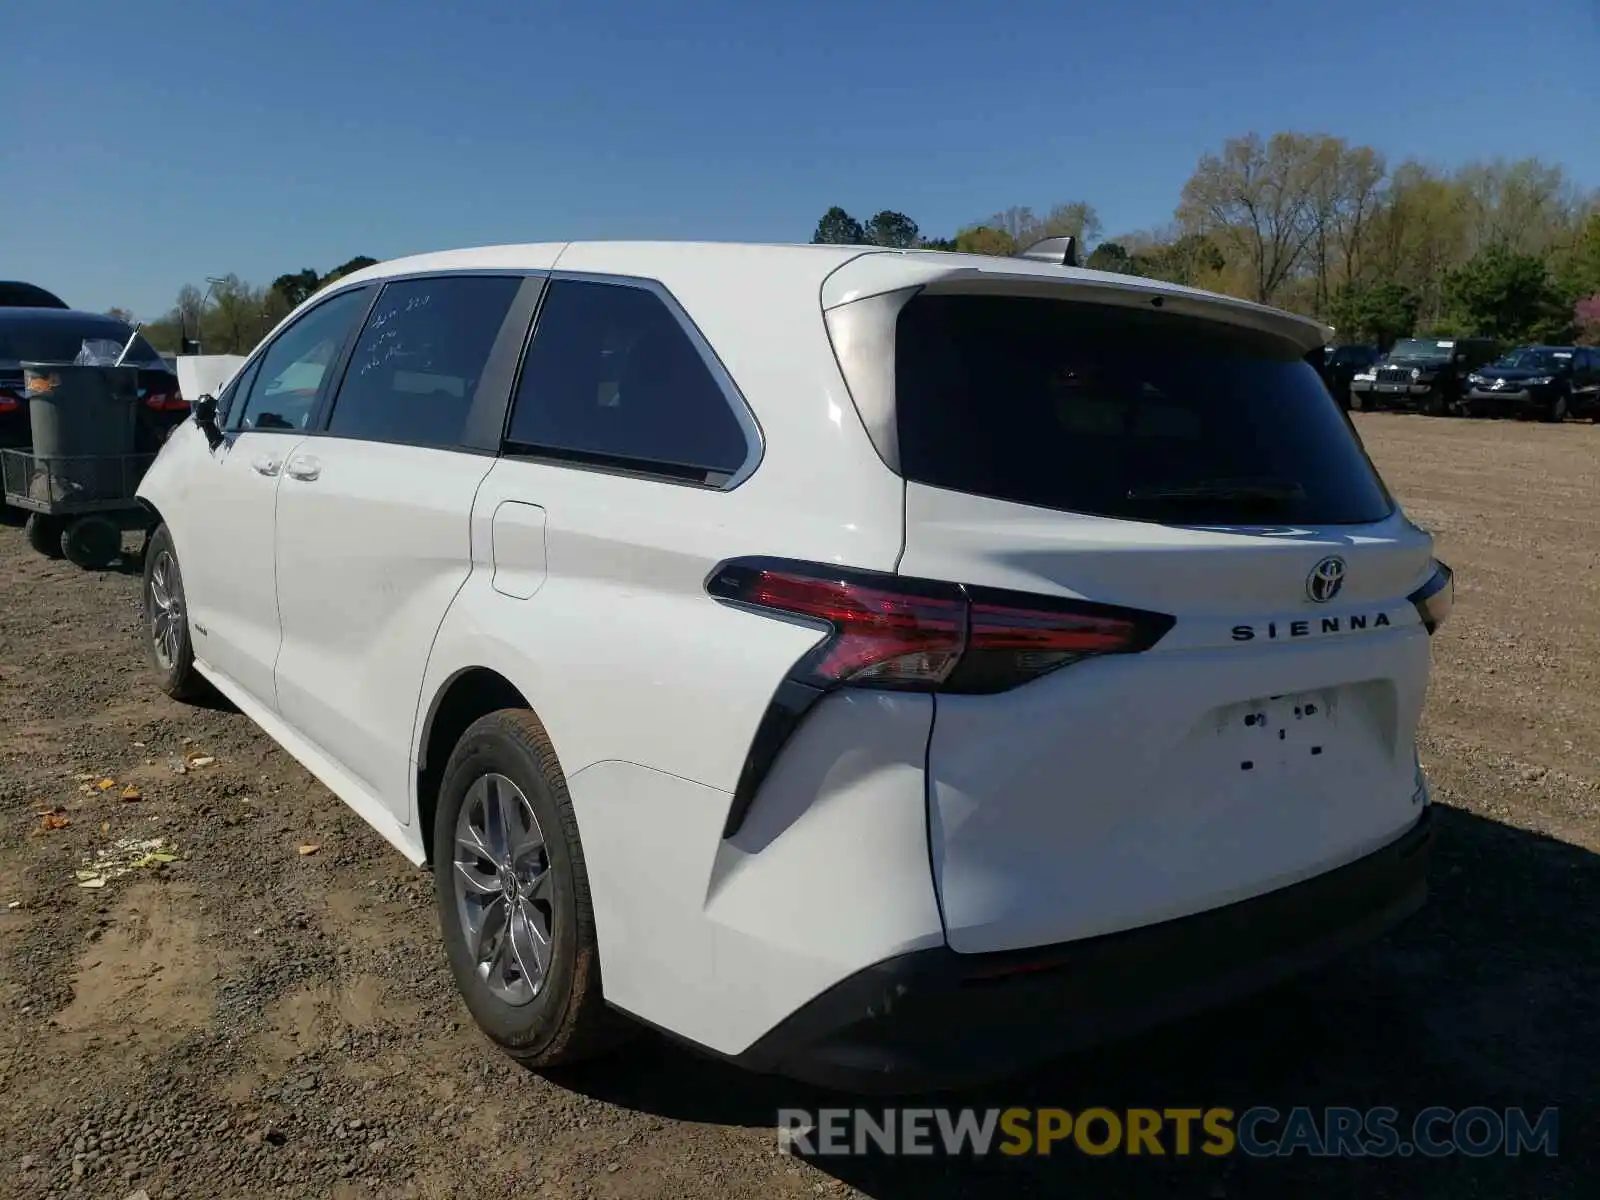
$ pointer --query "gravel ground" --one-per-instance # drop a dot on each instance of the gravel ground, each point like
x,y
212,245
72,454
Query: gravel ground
x,y
269,1014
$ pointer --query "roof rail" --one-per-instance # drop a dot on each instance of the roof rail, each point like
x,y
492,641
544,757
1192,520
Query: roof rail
x,y
1057,251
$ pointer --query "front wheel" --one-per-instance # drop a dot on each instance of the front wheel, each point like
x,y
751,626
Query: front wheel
x,y
166,621
513,896
1557,411
1358,402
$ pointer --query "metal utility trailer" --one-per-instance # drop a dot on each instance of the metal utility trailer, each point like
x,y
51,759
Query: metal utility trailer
x,y
77,480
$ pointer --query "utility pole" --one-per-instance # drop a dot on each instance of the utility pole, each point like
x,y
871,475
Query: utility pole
x,y
212,282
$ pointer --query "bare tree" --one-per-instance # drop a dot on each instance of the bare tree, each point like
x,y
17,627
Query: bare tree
x,y
1257,201
1073,218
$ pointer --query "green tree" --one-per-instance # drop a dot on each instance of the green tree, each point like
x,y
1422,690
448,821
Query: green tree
x,y
296,288
1112,256
1190,259
1576,269
359,263
1380,313
888,228
1503,293
984,239
938,243
838,228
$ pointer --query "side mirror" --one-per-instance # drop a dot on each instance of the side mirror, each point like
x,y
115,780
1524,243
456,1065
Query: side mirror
x,y
205,416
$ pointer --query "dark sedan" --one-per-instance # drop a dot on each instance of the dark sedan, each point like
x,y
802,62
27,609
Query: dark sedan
x,y
56,335
1550,382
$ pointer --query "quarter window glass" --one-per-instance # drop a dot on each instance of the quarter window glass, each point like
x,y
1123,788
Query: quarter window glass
x,y
416,367
612,377
284,391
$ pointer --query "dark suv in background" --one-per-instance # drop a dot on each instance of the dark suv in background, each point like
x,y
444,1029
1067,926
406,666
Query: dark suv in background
x,y
56,335
1550,382
1340,364
1428,374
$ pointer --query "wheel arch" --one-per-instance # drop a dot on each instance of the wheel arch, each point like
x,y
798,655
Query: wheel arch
x,y
468,694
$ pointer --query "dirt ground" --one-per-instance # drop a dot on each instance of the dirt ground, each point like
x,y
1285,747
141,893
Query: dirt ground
x,y
269,1013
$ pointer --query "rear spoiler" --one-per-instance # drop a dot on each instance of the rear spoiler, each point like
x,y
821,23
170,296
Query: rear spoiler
x,y
896,275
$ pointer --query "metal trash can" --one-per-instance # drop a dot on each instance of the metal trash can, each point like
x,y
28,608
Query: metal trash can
x,y
84,425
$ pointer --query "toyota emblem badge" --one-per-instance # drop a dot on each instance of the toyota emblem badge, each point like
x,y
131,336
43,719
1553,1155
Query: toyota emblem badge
x,y
1325,580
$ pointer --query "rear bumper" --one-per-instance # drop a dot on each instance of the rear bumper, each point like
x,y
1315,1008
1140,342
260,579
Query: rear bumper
x,y
934,1018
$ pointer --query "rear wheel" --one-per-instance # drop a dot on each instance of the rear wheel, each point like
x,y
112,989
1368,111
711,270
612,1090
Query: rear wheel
x,y
93,543
513,896
44,534
166,621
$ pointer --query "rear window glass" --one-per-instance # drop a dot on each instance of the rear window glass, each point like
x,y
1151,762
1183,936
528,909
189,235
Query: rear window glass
x,y
58,340
1123,413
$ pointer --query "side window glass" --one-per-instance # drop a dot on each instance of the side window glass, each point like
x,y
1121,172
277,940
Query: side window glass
x,y
284,391
239,386
415,369
613,377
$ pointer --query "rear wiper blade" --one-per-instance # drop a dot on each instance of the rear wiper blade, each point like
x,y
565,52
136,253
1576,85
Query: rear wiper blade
x,y
1267,491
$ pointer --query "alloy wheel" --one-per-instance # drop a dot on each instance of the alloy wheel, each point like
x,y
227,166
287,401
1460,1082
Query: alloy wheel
x,y
504,898
166,609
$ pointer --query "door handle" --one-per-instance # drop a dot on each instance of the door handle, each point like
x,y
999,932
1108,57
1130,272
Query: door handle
x,y
303,467
266,465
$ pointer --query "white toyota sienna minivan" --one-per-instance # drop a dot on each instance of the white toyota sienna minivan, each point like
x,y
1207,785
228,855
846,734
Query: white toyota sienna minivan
x,y
886,668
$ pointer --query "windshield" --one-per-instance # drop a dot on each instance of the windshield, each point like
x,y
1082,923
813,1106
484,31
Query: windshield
x,y
1536,360
1421,350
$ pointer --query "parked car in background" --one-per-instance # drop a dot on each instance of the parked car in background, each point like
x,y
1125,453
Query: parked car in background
x,y
1340,365
14,293
1551,382
1427,374
1082,692
56,335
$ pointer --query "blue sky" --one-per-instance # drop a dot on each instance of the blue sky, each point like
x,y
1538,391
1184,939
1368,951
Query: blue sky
x,y
149,144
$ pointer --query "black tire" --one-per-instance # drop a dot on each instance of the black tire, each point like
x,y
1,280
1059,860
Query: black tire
x,y
1356,402
1435,404
172,662
92,543
566,1020
1558,409
44,534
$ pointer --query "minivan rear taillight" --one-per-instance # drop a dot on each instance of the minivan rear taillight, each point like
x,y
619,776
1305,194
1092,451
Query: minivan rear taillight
x,y
918,635
9,400
1435,598
888,631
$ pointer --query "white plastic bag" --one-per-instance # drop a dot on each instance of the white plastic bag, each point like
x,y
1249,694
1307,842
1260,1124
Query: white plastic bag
x,y
98,352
